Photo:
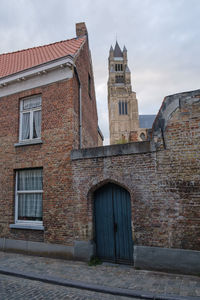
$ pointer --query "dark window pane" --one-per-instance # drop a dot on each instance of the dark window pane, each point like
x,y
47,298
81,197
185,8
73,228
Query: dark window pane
x,y
120,111
25,126
122,107
125,108
89,85
36,124
119,79
30,207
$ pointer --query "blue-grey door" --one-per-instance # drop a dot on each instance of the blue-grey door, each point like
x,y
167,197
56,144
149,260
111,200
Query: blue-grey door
x,y
112,214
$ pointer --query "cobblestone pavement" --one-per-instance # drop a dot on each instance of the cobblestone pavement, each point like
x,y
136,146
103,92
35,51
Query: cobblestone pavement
x,y
104,275
13,288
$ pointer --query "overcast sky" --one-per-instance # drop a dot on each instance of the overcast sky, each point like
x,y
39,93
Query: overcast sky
x,y
162,38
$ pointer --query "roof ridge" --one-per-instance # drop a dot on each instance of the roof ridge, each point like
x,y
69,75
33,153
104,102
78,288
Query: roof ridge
x,y
23,50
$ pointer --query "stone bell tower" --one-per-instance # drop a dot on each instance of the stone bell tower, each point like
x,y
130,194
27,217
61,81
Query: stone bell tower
x,y
122,102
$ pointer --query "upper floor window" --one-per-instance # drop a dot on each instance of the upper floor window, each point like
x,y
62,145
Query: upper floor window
x,y
123,108
118,67
119,79
30,118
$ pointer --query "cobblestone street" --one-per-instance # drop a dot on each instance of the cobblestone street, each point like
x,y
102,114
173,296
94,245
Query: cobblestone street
x,y
106,275
12,288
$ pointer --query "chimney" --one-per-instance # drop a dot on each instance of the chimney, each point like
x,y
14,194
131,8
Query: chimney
x,y
81,29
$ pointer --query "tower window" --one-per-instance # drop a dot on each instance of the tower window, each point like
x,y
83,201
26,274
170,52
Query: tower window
x,y
123,108
119,79
118,67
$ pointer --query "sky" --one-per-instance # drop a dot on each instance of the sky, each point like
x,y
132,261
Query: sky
x,y
162,38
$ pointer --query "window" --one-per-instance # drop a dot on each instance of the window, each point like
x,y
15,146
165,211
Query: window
x,y
28,202
123,108
89,85
30,118
119,79
118,67
142,136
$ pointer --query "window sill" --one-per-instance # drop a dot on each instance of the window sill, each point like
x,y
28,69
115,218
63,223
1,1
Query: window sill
x,y
27,226
28,143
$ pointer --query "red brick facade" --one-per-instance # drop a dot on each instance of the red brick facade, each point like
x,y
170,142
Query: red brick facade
x,y
60,133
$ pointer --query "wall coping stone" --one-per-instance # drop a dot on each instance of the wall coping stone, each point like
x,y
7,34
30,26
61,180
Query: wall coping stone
x,y
170,104
114,150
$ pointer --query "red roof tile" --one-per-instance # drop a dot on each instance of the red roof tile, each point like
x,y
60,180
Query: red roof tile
x,y
11,63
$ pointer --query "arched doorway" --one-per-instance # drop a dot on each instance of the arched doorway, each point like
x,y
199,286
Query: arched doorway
x,y
112,216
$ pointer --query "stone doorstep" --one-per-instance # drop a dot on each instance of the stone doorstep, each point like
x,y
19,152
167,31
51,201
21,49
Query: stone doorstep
x,y
93,287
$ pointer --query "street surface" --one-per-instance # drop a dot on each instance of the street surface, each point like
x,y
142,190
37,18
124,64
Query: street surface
x,y
110,276
13,288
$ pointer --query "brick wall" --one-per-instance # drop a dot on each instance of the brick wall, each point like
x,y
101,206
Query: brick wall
x,y
178,172
134,172
57,137
163,181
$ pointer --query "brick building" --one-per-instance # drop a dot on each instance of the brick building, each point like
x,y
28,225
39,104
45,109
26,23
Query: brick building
x,y
62,195
47,108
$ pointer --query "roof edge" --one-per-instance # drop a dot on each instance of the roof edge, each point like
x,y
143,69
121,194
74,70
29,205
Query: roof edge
x,y
37,70
45,45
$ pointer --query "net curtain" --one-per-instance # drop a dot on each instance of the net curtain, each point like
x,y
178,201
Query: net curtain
x,y
30,204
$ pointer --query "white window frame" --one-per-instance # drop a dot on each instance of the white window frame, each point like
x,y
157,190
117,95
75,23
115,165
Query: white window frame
x,y
31,111
24,222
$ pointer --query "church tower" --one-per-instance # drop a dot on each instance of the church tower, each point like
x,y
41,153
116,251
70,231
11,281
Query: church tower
x,y
122,102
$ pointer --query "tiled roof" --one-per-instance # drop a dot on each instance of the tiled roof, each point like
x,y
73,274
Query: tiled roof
x,y
11,63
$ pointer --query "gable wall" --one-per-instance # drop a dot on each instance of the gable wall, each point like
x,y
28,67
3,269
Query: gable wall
x,y
89,111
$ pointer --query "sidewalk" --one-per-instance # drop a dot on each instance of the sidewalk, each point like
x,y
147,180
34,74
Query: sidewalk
x,y
108,278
